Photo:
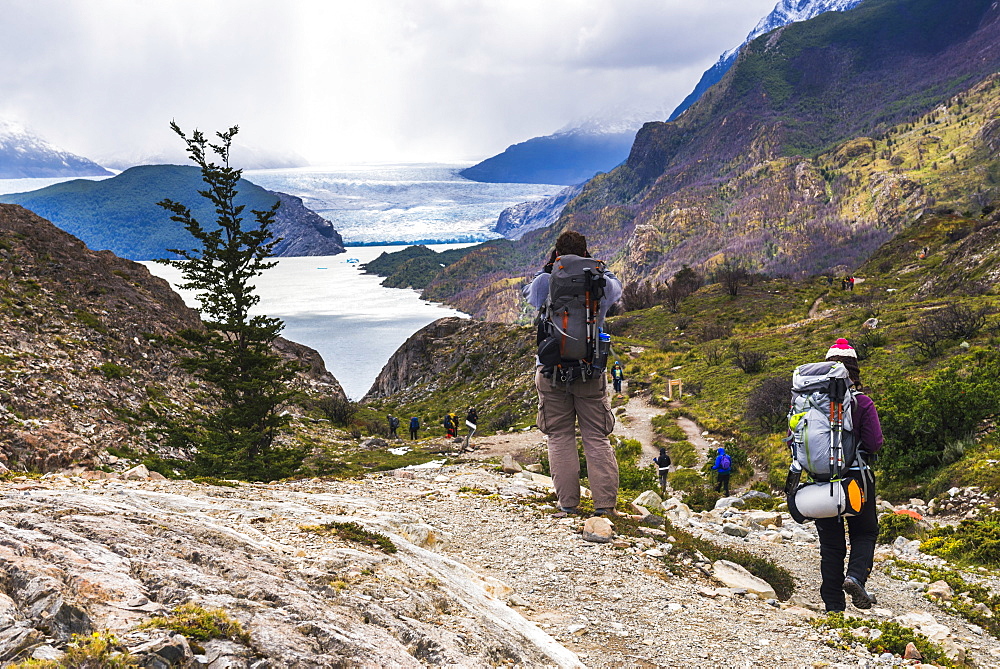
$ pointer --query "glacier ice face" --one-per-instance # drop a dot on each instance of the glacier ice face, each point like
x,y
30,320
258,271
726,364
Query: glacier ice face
x,y
427,203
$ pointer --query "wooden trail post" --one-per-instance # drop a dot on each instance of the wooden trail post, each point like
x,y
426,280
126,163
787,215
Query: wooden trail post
x,y
674,383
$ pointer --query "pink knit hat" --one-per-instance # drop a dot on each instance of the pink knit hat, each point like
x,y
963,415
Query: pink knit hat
x,y
841,347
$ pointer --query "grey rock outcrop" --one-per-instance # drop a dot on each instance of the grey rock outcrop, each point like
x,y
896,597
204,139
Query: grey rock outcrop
x,y
79,556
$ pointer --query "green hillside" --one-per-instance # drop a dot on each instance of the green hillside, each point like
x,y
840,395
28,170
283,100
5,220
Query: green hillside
x,y
121,215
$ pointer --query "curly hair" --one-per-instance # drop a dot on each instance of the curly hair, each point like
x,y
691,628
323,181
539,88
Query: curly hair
x,y
571,243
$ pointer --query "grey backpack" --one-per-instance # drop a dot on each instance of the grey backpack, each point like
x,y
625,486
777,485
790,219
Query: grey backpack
x,y
821,420
567,328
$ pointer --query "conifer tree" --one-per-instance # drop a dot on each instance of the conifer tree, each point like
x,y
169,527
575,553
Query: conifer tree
x,y
246,380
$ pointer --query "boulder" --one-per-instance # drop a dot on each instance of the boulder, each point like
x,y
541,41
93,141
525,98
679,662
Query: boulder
x,y
510,465
676,510
765,518
650,500
598,530
755,494
911,652
940,590
734,530
726,502
735,576
423,535
137,473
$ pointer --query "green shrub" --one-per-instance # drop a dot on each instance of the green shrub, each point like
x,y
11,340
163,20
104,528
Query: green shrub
x,y
201,624
99,650
631,477
700,495
893,639
892,525
353,532
920,419
111,371
683,454
762,504
90,320
685,480
971,542
212,480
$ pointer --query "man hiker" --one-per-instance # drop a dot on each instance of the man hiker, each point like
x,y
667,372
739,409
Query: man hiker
x,y
723,467
617,375
567,397
414,426
393,426
662,463
862,528
471,422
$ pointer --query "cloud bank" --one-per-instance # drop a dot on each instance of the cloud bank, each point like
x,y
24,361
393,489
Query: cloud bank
x,y
337,81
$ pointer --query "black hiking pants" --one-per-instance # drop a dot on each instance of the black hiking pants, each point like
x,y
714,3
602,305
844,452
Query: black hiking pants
x,y
863,531
722,483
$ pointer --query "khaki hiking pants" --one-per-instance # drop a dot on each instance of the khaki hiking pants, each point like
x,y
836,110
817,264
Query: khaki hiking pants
x,y
559,410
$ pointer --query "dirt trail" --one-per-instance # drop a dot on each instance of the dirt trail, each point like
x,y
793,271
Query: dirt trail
x,y
635,423
693,432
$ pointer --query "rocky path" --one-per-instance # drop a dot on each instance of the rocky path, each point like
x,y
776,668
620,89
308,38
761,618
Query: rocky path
x,y
633,422
482,576
694,434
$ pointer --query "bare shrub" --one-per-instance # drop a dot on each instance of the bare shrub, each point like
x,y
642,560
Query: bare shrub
x,y
868,341
638,295
732,274
715,353
751,362
712,331
767,404
339,410
871,304
503,421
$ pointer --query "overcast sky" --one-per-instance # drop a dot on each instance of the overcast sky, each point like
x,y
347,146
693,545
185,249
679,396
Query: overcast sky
x,y
338,81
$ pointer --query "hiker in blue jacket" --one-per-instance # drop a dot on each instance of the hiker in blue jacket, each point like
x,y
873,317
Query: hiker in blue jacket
x,y
723,467
414,426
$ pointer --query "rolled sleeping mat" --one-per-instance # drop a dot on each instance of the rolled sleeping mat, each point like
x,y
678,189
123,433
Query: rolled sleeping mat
x,y
826,500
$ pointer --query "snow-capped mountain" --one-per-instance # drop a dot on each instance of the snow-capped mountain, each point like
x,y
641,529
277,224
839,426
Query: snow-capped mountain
x,y
584,148
24,154
784,13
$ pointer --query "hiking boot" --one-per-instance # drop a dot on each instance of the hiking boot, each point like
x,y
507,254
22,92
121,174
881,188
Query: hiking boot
x,y
860,597
610,513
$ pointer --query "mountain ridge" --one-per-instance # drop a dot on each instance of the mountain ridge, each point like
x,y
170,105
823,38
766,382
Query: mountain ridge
x,y
120,214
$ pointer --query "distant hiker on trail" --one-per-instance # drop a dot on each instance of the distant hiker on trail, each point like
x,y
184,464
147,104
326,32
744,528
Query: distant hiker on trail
x,y
850,283
451,425
723,467
617,375
573,293
662,463
414,426
393,426
862,528
471,422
